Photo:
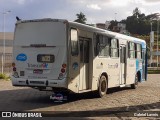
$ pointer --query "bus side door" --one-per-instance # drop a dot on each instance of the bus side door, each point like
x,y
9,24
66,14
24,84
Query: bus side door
x,y
84,63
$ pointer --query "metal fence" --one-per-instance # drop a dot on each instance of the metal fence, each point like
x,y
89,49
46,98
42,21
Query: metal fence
x,y
6,64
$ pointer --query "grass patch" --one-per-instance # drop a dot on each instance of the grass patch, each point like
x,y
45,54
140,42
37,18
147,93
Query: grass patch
x,y
153,71
4,76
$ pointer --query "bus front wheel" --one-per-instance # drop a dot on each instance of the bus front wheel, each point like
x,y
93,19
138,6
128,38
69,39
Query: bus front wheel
x,y
102,87
135,85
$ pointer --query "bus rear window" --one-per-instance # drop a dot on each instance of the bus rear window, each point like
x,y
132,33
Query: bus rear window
x,y
45,58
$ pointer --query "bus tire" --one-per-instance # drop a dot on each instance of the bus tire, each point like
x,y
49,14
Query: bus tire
x,y
135,85
102,87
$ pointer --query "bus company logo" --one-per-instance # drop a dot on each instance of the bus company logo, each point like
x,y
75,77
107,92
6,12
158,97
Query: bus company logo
x,y
131,65
75,66
43,65
21,57
113,66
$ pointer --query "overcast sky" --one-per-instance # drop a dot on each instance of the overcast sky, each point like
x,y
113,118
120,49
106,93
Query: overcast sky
x,y
96,11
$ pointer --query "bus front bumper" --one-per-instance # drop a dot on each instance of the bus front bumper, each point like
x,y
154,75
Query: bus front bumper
x,y
39,82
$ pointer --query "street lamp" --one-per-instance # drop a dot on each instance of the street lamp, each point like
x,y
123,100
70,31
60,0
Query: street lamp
x,y
151,42
4,42
115,16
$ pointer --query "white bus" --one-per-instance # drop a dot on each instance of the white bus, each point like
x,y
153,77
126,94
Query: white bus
x,y
63,55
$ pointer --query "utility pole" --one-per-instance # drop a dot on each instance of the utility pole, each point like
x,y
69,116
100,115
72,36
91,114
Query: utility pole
x,y
151,44
157,40
115,16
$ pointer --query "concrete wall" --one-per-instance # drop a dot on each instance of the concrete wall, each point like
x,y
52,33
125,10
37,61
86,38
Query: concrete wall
x,y
8,51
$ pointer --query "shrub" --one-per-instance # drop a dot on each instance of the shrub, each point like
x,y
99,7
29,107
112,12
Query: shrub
x,y
4,76
153,71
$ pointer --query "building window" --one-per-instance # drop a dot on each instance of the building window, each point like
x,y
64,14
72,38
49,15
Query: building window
x,y
114,48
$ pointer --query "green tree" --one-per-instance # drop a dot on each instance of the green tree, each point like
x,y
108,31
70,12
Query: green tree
x,y
136,12
81,18
153,16
112,24
137,23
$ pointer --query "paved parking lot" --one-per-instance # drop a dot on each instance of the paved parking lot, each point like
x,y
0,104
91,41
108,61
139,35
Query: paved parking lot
x,y
145,97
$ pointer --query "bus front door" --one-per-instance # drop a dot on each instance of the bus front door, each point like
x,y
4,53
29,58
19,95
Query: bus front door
x,y
84,64
122,65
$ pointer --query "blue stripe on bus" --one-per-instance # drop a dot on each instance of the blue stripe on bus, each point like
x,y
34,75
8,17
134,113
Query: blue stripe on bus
x,y
138,69
142,43
137,64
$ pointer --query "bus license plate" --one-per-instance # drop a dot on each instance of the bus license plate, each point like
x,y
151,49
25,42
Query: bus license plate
x,y
46,58
37,71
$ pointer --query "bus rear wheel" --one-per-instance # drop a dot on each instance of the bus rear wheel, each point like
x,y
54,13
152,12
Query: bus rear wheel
x,y
135,85
102,88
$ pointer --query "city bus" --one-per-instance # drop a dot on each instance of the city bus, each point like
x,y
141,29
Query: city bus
x,y
59,55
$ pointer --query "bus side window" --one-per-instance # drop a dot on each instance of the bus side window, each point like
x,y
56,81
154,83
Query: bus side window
x,y
74,42
139,51
97,45
103,45
131,50
114,48
122,58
